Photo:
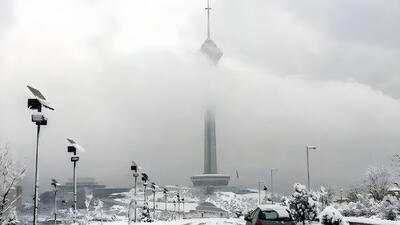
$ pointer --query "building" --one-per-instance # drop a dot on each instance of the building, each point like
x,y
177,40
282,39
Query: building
x,y
85,186
210,177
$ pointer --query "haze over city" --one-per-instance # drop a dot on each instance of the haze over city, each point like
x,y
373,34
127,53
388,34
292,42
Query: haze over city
x,y
128,82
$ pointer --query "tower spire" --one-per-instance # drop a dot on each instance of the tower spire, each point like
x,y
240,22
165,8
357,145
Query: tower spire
x,y
208,19
209,47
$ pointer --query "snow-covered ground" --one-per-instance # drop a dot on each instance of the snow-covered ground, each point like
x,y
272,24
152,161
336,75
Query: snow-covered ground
x,y
371,221
209,221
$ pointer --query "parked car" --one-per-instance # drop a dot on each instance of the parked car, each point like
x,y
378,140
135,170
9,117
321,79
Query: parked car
x,y
269,215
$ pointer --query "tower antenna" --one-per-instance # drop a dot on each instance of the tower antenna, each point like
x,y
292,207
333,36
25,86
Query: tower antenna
x,y
208,19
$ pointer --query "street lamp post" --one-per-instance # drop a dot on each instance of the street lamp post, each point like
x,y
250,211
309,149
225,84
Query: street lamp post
x,y
72,148
272,184
165,191
153,189
179,204
134,168
259,192
183,208
55,184
341,194
174,214
145,178
39,119
265,190
308,165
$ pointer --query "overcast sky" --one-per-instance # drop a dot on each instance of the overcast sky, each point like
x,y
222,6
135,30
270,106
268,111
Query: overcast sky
x,y
128,82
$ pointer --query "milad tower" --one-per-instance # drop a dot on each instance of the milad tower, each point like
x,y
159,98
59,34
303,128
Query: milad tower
x,y
210,177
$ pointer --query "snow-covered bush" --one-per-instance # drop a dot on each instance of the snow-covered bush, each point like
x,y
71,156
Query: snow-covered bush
x,y
331,216
12,218
390,213
145,214
388,208
302,204
377,181
365,207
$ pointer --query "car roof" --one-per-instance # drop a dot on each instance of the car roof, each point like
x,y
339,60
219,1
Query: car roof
x,y
272,207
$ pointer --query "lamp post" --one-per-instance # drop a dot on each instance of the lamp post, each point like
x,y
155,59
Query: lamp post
x,y
265,190
341,195
174,202
145,178
308,165
183,208
134,168
179,204
39,119
259,192
72,148
272,184
153,189
165,191
55,184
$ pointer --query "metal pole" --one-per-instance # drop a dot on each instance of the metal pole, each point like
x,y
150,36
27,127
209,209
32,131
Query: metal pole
x,y
166,201
308,170
154,204
135,198
35,198
144,192
208,19
272,187
174,210
129,212
74,180
259,193
101,216
179,209
183,210
55,206
341,194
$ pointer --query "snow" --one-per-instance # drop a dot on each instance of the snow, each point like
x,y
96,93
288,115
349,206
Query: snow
x,y
331,215
371,221
213,221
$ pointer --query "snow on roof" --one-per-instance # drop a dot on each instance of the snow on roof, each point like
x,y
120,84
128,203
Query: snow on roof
x,y
394,188
282,211
272,206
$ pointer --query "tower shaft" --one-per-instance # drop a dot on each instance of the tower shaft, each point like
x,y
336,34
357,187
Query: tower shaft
x,y
210,149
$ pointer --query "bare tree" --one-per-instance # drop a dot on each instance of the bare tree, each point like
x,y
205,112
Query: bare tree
x,y
377,181
396,168
10,176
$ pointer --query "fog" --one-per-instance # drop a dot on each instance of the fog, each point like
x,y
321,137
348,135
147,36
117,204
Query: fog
x,y
128,83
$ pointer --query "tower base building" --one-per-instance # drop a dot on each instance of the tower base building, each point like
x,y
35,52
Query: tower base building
x,y
205,180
